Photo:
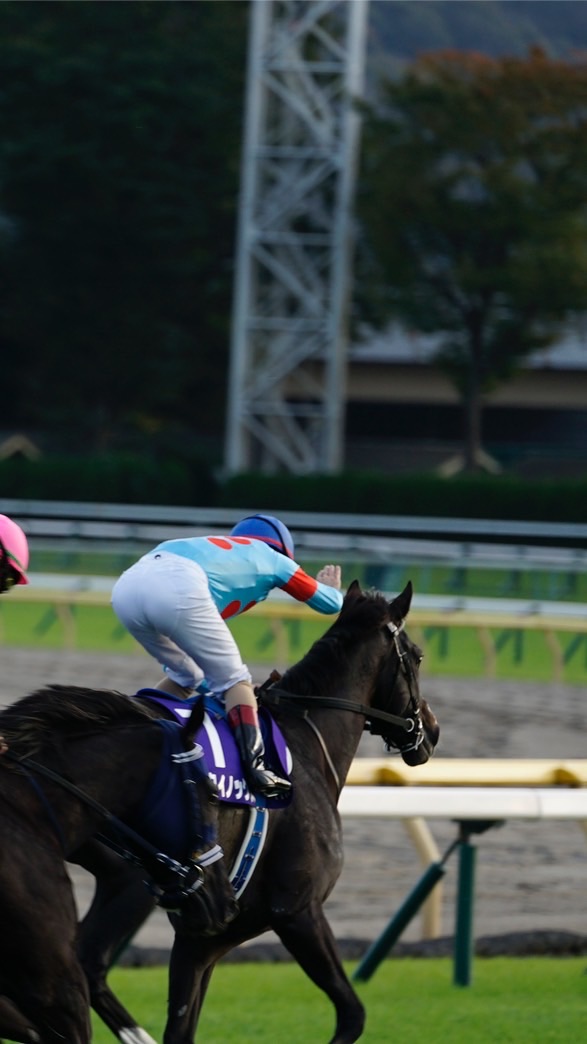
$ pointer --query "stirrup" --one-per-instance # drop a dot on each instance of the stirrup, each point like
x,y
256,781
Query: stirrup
x,y
267,784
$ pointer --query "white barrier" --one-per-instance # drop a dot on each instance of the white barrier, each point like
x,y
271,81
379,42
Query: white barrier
x,y
464,802
414,805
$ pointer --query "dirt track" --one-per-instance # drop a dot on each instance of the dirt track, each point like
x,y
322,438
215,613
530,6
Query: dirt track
x,y
530,876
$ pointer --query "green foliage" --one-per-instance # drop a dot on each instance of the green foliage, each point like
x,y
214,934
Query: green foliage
x,y
466,496
472,202
120,131
122,478
188,479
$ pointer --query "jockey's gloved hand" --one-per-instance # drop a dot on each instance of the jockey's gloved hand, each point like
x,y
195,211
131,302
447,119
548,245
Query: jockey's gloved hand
x,y
203,689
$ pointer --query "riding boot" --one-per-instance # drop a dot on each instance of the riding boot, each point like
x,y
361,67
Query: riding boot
x,y
244,722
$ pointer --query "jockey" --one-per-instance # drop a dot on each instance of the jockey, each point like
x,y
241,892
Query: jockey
x,y
175,601
14,559
14,554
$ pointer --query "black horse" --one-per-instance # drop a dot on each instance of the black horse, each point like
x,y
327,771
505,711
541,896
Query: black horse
x,y
73,762
363,670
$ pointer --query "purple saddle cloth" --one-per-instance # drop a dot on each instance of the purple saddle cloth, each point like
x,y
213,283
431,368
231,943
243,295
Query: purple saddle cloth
x,y
221,753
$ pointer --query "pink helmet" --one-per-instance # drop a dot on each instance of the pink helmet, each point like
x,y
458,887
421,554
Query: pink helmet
x,y
14,546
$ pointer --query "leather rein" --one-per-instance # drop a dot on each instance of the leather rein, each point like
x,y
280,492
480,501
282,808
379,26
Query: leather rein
x,y
276,697
271,695
185,878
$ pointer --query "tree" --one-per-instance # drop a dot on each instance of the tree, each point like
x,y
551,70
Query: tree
x,y
473,206
120,130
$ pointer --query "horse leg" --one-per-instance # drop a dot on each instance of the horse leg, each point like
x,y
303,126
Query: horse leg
x,y
15,1026
308,937
190,970
41,975
120,906
56,995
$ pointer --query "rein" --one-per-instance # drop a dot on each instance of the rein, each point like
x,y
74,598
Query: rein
x,y
301,704
190,877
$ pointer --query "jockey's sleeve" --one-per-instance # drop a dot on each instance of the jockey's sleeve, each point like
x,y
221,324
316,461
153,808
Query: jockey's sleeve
x,y
297,583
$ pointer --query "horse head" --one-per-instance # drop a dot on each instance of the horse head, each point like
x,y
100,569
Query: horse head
x,y
395,690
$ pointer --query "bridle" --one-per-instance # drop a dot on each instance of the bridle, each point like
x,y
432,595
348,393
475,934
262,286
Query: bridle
x,y
375,719
413,725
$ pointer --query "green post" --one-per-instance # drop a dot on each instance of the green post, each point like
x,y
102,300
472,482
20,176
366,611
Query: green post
x,y
463,953
463,945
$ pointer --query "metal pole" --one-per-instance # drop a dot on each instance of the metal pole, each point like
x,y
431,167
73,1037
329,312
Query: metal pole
x,y
463,953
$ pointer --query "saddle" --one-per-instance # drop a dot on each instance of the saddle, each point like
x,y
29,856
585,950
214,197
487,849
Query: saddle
x,y
221,755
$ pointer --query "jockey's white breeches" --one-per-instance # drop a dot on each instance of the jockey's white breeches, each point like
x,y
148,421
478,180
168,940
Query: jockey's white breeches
x,y
165,602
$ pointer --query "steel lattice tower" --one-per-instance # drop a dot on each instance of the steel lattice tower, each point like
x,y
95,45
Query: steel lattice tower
x,y
288,350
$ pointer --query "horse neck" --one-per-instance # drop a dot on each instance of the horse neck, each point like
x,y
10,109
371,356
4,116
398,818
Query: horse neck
x,y
337,744
340,730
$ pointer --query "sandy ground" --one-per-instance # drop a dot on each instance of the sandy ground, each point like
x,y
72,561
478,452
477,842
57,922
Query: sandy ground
x,y
530,875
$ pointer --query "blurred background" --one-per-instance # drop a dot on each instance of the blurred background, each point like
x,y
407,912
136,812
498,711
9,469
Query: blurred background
x,y
211,264
318,258
328,260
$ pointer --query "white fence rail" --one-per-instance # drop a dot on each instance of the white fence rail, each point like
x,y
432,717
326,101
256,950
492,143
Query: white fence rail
x,y
383,539
490,805
465,803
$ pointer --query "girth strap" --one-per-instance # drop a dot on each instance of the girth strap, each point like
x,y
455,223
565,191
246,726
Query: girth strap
x,y
250,850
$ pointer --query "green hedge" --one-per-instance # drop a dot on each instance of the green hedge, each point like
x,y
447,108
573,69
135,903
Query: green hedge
x,y
475,496
140,479
123,478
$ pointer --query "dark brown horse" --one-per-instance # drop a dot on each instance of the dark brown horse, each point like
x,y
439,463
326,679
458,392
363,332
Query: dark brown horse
x,y
77,761
363,670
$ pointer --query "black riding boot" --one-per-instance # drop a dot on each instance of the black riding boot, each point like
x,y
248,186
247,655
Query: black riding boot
x,y
260,780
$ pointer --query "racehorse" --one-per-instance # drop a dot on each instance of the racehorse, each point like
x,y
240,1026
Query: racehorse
x,y
362,671
74,761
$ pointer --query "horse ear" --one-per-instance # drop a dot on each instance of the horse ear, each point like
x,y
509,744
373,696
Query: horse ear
x,y
400,606
353,590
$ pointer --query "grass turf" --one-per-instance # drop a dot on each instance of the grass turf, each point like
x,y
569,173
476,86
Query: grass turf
x,y
511,1000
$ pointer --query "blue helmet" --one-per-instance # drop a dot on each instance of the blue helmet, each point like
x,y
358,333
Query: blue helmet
x,y
266,528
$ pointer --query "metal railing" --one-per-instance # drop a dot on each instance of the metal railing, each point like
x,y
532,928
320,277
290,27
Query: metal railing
x,y
379,539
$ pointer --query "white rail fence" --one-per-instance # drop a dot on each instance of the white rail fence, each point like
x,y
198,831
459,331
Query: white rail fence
x,y
474,809
383,538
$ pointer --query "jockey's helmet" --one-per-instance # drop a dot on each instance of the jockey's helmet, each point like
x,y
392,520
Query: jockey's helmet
x,y
14,553
269,529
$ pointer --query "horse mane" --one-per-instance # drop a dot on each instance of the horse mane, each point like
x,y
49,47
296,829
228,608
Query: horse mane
x,y
361,615
68,710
